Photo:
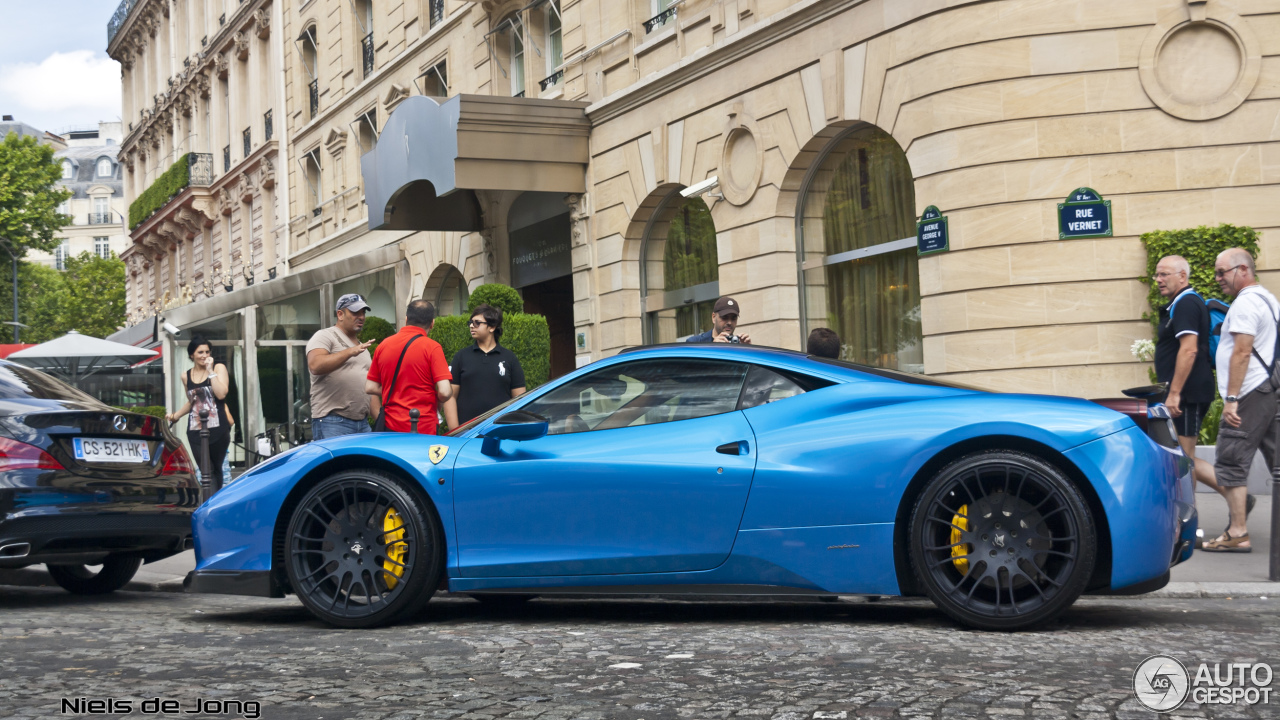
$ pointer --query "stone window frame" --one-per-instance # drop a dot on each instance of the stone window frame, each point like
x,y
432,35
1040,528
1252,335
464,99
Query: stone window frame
x,y
97,167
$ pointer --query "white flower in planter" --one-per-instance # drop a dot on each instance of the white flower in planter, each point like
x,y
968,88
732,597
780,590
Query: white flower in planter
x,y
1143,350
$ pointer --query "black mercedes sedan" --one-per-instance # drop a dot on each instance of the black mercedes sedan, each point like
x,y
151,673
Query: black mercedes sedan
x,y
87,489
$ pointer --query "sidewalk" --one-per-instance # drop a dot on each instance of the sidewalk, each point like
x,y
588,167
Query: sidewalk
x,y
1204,575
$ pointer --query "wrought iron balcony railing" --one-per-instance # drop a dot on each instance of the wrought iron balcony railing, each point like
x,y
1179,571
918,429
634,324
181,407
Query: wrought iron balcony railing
x,y
659,20
118,17
437,12
366,51
101,218
551,80
248,142
313,91
199,169
226,159
267,129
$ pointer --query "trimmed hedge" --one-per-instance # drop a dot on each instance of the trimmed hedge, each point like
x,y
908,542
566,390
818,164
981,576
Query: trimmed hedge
x,y
173,181
1200,246
152,410
505,298
376,329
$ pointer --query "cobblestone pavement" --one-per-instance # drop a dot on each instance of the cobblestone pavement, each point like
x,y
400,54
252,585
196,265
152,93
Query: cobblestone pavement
x,y
611,659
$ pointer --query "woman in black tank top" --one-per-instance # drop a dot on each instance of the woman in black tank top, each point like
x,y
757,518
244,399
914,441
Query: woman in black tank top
x,y
206,385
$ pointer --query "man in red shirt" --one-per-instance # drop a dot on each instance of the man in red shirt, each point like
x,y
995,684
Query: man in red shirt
x,y
424,375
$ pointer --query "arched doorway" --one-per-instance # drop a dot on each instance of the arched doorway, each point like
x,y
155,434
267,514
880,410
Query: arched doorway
x,y
856,234
447,290
679,269
539,235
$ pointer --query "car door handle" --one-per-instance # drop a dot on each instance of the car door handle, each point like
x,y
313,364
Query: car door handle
x,y
733,448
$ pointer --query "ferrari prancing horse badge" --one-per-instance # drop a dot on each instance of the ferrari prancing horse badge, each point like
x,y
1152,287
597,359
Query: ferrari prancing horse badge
x,y
437,453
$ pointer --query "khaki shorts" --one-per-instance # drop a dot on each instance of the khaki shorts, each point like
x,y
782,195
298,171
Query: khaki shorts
x,y
1237,446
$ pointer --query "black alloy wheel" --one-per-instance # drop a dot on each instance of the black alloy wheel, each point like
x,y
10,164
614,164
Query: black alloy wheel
x,y
364,548
1002,540
116,572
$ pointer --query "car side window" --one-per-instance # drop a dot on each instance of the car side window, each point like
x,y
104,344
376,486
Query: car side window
x,y
644,392
765,385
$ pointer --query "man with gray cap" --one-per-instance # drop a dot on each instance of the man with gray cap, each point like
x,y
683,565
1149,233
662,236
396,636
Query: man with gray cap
x,y
724,320
338,362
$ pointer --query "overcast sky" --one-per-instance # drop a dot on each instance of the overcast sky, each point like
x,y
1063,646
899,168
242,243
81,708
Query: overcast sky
x,y
54,69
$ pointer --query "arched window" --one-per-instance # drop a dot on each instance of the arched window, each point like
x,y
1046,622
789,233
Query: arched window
x,y
68,170
447,290
858,270
104,167
680,270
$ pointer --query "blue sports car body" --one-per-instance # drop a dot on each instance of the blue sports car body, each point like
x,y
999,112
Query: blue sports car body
x,y
723,469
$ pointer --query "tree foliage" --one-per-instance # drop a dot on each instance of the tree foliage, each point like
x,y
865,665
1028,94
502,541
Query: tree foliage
x,y
88,297
29,195
93,300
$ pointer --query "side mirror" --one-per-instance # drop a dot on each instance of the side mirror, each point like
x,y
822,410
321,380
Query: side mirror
x,y
517,425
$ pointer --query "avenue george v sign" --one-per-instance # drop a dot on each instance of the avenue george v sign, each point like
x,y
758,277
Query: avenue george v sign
x,y
931,232
1084,215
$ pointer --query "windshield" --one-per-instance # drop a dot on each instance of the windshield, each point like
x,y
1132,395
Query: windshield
x,y
480,418
18,382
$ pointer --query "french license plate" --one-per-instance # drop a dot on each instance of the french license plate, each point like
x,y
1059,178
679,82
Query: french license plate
x,y
104,450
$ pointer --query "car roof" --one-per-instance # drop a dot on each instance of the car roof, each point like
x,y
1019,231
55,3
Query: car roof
x,y
791,358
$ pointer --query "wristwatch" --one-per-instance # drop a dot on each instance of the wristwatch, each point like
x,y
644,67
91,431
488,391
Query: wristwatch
x,y
1231,398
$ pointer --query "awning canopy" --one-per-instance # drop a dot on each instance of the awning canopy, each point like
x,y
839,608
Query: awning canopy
x,y
76,356
431,157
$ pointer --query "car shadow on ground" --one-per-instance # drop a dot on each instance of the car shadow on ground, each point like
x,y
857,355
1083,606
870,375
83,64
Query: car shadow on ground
x,y
888,612
15,597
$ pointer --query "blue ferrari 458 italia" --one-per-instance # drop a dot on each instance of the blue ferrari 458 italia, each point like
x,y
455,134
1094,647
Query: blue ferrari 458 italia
x,y
719,469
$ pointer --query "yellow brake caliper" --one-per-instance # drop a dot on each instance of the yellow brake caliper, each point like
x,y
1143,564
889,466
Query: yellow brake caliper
x,y
397,551
961,522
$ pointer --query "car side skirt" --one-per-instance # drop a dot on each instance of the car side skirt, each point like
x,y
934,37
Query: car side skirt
x,y
258,583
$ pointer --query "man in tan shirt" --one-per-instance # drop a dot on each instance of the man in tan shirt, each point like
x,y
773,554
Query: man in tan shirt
x,y
339,362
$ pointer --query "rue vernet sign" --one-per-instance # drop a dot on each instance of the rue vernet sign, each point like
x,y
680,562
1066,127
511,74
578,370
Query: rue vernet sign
x,y
1084,215
931,232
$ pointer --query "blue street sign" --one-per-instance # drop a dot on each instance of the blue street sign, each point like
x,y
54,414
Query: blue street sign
x,y
931,232
1084,215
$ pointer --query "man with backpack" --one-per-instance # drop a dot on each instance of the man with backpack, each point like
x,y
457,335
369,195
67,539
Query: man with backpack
x,y
1245,363
1183,360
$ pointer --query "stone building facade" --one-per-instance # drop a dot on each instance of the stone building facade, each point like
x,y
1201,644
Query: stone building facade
x,y
91,171
201,87
435,145
830,125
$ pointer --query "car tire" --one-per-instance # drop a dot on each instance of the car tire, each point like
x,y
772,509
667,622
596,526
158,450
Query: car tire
x,y
116,572
966,551
364,548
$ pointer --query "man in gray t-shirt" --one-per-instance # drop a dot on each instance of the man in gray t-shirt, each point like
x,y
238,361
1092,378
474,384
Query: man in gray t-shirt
x,y
339,362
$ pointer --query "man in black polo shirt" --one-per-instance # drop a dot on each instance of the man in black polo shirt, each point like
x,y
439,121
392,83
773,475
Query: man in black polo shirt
x,y
1182,358
486,374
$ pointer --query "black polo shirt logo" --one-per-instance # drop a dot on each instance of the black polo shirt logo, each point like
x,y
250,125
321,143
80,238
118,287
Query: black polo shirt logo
x,y
502,369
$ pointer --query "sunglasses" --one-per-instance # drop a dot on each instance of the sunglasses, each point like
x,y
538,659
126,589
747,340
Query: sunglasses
x,y
1223,273
476,323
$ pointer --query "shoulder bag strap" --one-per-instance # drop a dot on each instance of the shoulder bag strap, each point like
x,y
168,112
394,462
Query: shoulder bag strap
x,y
396,375
1271,368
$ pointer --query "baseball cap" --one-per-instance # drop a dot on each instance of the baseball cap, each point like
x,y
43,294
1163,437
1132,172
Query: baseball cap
x,y
352,302
726,306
